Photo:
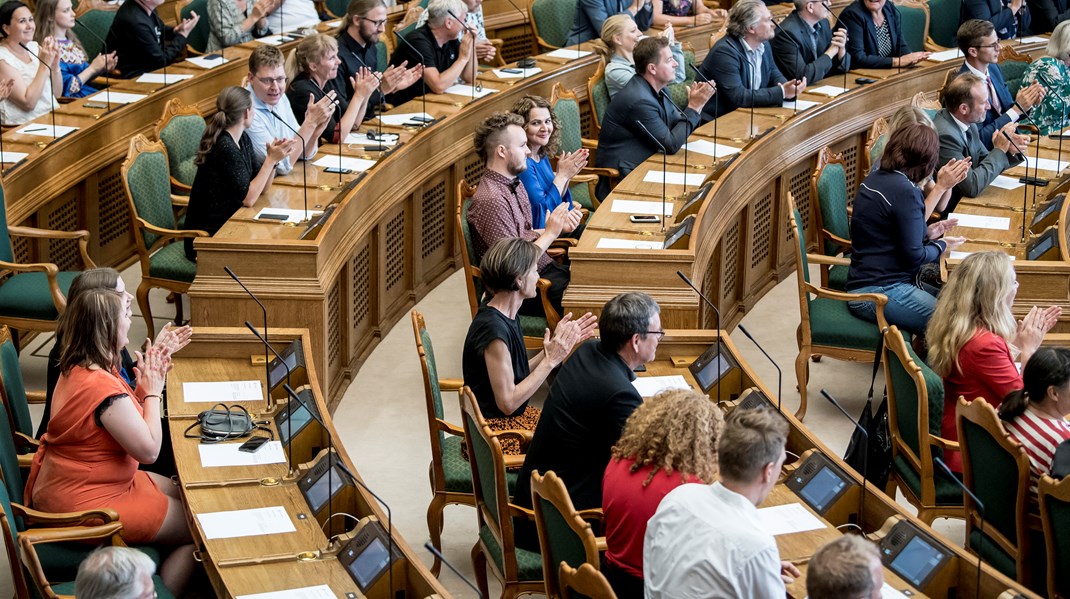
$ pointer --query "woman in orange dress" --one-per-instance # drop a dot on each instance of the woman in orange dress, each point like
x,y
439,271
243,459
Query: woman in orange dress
x,y
101,429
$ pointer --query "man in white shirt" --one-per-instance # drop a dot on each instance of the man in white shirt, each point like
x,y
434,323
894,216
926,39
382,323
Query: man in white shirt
x,y
292,15
705,541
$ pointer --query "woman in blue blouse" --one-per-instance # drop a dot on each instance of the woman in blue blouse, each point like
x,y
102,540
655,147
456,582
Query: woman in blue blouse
x,y
545,188
55,18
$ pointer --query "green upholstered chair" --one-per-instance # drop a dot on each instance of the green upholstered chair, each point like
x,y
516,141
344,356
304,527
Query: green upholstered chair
x,y
598,97
408,23
875,140
1012,64
584,582
915,409
565,536
197,40
35,294
164,265
1054,498
829,186
16,402
944,22
678,91
337,8
566,108
92,28
181,128
914,22
827,327
995,468
519,570
551,21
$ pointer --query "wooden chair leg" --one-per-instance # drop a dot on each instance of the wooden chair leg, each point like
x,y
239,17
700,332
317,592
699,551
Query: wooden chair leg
x,y
146,312
479,565
434,529
802,374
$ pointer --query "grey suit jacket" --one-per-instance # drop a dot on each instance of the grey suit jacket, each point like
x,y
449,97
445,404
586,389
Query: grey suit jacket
x,y
986,165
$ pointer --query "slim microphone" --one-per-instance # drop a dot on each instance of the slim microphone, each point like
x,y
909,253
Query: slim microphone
x,y
1027,180
52,92
720,348
980,508
716,100
267,382
104,43
664,170
438,555
865,458
423,82
263,310
341,139
1044,81
1036,155
662,93
304,161
527,62
779,373
475,60
795,57
379,88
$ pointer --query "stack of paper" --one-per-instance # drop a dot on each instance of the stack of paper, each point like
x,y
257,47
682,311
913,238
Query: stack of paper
x,y
286,215
356,165
649,386
246,523
710,148
946,55
46,130
403,119
218,455
800,105
117,97
499,73
317,592
608,243
206,62
226,392
160,78
468,90
787,519
641,207
568,53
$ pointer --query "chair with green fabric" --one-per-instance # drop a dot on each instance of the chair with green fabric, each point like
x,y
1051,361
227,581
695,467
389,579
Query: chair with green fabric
x,y
1054,498
914,21
584,582
146,180
565,535
181,128
875,140
519,570
598,97
550,21
827,327
1012,65
944,22
994,463
16,402
566,108
92,29
915,409
197,40
337,8
678,91
408,23
829,185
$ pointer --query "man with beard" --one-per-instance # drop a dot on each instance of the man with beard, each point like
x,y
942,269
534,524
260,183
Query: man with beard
x,y
358,36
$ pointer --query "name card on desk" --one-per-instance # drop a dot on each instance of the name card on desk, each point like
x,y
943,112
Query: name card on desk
x,y
117,97
357,165
1047,164
649,386
787,519
226,454
208,63
46,130
887,592
674,178
710,148
801,105
246,523
641,207
946,55
1005,182
12,157
160,78
608,243
226,392
468,90
317,592
827,90
567,53
975,221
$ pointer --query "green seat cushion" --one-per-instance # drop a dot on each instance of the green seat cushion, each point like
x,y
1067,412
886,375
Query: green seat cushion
x,y
458,472
992,554
26,295
1013,72
182,137
831,323
61,560
67,588
947,492
581,195
533,326
528,563
172,264
838,277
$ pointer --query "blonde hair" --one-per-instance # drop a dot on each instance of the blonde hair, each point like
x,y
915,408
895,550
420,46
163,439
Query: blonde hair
x,y
311,49
909,115
974,297
675,431
1059,44
611,27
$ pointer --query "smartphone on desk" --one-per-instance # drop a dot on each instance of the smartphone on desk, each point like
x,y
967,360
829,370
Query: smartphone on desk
x,y
253,444
336,170
644,218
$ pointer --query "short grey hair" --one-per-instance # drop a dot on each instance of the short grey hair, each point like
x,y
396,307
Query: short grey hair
x,y
743,15
626,315
113,573
439,10
1059,44
842,568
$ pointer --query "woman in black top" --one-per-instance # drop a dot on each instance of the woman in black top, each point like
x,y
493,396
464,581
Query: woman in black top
x,y
313,71
495,362
228,175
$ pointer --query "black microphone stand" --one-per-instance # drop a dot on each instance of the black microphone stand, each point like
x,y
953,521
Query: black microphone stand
x,y
379,119
865,458
1025,179
423,82
304,161
716,105
523,62
779,373
474,59
720,347
438,555
1036,156
980,508
104,43
267,383
263,310
664,171
52,92
683,116
341,139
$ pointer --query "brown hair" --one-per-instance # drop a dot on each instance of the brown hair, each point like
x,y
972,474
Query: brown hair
x,y
1047,367
959,91
265,56
524,106
45,19
971,32
912,150
231,105
506,261
489,132
309,50
751,440
646,52
357,8
90,330
842,568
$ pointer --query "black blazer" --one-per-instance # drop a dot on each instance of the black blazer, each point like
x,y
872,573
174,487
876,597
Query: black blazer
x,y
994,120
726,64
794,56
862,35
1046,14
997,11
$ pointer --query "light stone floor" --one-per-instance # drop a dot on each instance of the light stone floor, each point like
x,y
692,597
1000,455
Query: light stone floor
x,y
381,419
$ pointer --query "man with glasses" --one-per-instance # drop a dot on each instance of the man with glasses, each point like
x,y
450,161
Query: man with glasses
x,y
979,44
589,402
358,36
805,46
272,116
485,50
436,46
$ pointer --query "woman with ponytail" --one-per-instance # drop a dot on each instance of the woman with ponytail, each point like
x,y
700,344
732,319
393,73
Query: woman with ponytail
x,y
1035,415
973,336
620,34
228,175
312,68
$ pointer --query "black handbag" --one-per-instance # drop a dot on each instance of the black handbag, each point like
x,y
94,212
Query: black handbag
x,y
223,423
873,456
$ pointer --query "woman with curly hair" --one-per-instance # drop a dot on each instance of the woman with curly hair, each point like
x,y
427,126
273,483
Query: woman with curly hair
x,y
669,440
545,188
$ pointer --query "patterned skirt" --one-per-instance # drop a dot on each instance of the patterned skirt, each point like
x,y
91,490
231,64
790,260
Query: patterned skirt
x,y
527,420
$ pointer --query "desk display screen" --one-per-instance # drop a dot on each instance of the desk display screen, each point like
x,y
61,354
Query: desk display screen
x,y
711,367
1043,245
822,488
371,562
299,417
277,372
317,494
916,561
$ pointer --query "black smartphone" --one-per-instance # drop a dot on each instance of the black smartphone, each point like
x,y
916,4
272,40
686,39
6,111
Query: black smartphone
x,y
212,56
253,444
644,218
269,216
865,81
421,119
334,169
514,71
526,63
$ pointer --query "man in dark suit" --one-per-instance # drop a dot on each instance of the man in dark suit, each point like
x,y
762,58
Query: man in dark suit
x,y
1047,14
741,63
805,46
142,41
641,119
1007,16
965,103
589,402
977,40
591,14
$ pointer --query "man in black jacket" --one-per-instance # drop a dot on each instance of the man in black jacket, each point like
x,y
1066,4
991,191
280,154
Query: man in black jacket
x,y
141,40
805,46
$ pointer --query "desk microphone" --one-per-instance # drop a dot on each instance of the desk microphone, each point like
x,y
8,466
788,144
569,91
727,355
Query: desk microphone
x,y
438,555
304,161
795,57
779,373
683,116
664,170
475,59
52,92
423,82
527,62
720,347
1043,79
263,310
104,43
865,456
980,508
1036,156
379,88
267,382
716,100
341,140
1027,180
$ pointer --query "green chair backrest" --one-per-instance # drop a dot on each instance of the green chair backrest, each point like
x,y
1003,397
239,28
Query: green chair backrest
x,y
150,189
432,374
875,153
405,31
9,464
92,28
906,400
1013,71
14,388
600,98
832,199
995,478
198,38
943,21
470,247
564,544
553,20
913,27
182,138
483,461
380,53
1059,520
6,253
338,7
567,111
581,194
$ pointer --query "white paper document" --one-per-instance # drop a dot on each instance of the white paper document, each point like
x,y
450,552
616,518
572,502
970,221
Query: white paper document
x,y
710,148
641,207
674,178
827,90
208,63
568,53
285,215
273,40
649,386
467,90
46,130
12,157
946,55
362,139
357,165
159,78
334,24
318,592
226,392
499,73
117,97
1005,182
608,243
1047,164
957,255
802,104
975,221
403,119
246,523
787,519
1036,39
226,454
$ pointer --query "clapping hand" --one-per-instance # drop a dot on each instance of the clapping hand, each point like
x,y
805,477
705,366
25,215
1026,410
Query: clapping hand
x,y
566,336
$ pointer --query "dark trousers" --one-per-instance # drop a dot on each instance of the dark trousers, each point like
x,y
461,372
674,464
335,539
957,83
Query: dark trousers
x,y
624,584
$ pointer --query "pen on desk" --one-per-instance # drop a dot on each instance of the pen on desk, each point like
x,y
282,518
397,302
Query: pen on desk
x,y
801,561
35,130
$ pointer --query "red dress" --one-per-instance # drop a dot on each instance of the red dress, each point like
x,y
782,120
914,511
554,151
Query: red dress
x,y
80,466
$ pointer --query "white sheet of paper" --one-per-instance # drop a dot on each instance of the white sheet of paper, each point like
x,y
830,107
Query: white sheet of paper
x,y
317,592
946,55
292,216
12,157
802,105
887,592
827,90
362,139
568,53
246,523
608,243
403,119
159,78
226,454
1005,182
649,386
957,255
357,165
207,63
640,207
787,519
710,148
674,178
226,392
467,90
273,40
46,130
1036,39
334,24
998,223
1047,164
526,73
117,97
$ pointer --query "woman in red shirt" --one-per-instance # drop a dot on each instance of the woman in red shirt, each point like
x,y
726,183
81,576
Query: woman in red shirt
x,y
669,440
973,337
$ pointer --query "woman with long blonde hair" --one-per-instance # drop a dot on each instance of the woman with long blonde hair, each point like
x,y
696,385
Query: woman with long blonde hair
x,y
312,69
973,336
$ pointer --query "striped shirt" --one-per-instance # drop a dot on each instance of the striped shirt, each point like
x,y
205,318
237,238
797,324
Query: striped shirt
x,y
1039,435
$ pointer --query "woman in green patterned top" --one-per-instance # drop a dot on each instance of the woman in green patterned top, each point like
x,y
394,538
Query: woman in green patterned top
x,y
1053,72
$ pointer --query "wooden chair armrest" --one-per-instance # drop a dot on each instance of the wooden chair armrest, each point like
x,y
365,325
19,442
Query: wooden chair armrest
x,y
34,232
32,516
450,384
594,513
932,46
172,233
24,441
585,178
612,173
514,461
522,436
179,201
51,272
25,461
35,396
449,427
521,512
32,536
590,144
498,60
878,298
552,317
600,544
555,253
845,244
830,260
942,443
179,186
563,243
